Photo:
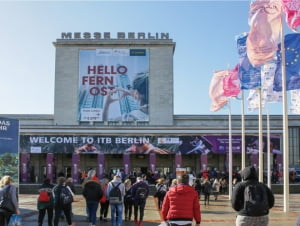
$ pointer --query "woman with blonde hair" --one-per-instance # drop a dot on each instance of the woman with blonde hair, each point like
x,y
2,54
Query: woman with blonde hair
x,y
7,188
161,190
174,182
104,203
128,200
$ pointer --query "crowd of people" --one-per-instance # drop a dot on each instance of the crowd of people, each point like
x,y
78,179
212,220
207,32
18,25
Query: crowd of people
x,y
133,189
178,199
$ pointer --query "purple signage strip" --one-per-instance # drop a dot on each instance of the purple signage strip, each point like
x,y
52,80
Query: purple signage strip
x,y
75,167
126,163
101,165
24,167
50,166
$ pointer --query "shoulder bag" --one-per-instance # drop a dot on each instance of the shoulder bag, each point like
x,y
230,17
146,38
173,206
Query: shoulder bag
x,y
6,202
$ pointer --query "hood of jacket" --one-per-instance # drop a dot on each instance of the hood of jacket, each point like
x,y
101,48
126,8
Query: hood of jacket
x,y
181,189
249,173
91,183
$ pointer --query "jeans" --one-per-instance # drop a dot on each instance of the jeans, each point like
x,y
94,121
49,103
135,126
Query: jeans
x,y
119,209
42,213
139,207
67,211
92,207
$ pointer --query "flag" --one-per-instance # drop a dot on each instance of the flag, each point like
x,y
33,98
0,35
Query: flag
x,y
231,83
264,34
267,78
292,63
268,95
253,99
216,92
295,101
291,9
249,76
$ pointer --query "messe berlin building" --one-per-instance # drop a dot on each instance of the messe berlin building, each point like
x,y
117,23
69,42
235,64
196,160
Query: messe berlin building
x,y
113,109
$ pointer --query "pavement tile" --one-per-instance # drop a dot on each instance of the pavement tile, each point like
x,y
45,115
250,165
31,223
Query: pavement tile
x,y
217,213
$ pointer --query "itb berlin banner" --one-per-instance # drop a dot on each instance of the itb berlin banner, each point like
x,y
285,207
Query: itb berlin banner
x,y
9,147
186,145
113,85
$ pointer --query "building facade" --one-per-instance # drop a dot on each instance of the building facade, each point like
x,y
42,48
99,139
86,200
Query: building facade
x,y
113,110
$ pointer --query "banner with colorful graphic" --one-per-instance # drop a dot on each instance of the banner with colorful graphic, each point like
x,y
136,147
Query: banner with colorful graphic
x,y
113,85
196,144
9,147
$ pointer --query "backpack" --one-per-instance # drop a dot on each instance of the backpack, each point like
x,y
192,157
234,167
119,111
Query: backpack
x,y
161,191
256,199
115,196
141,193
128,196
65,196
207,188
44,196
104,198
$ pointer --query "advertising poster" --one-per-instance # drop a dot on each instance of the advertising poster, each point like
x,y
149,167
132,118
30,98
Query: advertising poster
x,y
143,145
113,85
9,147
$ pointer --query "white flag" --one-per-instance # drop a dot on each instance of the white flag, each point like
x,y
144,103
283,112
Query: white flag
x,y
295,101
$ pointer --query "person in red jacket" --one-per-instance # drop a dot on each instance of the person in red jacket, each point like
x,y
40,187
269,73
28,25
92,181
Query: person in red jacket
x,y
181,204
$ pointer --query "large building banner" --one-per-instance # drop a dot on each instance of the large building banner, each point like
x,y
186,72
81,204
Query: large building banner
x,y
9,148
113,85
143,145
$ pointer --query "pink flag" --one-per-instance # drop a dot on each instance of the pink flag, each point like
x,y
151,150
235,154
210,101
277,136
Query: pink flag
x,y
231,83
216,92
264,34
292,13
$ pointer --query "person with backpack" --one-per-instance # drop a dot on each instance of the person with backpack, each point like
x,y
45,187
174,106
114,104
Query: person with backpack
x,y
63,198
198,187
161,190
128,200
45,202
252,200
207,190
92,192
115,192
140,192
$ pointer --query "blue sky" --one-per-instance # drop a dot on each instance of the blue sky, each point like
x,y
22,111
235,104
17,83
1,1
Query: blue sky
x,y
204,32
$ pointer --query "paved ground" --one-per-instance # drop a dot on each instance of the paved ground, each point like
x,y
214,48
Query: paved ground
x,y
218,213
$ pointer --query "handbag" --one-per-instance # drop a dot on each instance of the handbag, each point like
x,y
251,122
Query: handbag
x,y
15,220
6,202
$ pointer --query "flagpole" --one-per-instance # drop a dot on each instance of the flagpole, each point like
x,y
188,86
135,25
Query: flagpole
x,y
285,128
260,141
243,133
230,150
268,149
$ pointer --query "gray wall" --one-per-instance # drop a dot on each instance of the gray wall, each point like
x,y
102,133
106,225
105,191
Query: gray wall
x,y
160,78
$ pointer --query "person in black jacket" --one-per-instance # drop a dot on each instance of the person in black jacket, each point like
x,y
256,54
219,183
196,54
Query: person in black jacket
x,y
46,206
92,193
58,205
246,214
139,203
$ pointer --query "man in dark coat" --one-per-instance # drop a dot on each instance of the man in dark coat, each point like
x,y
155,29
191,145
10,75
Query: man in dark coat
x,y
245,214
138,202
92,193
